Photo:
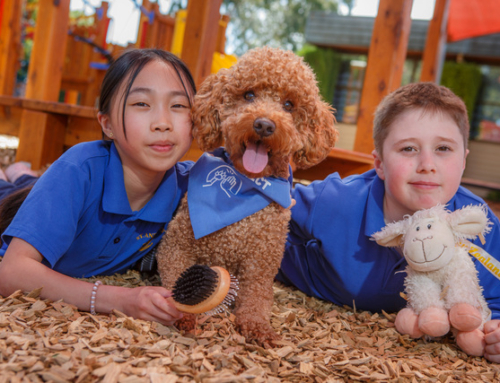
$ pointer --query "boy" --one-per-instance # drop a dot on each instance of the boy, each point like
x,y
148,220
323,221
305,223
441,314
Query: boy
x,y
420,134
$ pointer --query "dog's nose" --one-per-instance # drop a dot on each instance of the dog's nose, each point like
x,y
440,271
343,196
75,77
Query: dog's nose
x,y
264,127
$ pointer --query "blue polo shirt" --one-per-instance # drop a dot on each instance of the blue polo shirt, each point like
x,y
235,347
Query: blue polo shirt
x,y
330,255
79,218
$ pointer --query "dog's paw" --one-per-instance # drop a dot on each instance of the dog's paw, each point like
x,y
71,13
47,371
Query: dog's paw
x,y
260,332
187,323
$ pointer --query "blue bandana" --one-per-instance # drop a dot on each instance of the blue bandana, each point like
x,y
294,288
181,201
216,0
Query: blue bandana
x,y
219,195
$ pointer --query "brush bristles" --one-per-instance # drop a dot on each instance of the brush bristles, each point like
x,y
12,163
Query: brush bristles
x,y
228,300
195,285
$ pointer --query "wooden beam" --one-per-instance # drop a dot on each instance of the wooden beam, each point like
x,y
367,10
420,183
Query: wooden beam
x,y
49,45
384,70
10,119
41,138
142,31
46,128
53,126
49,107
10,44
81,129
220,45
90,95
345,162
435,44
200,37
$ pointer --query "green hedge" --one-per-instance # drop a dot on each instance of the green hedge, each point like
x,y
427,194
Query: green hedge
x,y
326,65
464,79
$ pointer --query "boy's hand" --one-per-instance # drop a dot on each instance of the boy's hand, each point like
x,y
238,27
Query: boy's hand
x,y
151,303
492,339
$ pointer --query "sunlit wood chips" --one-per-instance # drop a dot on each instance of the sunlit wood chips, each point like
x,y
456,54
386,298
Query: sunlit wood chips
x,y
42,341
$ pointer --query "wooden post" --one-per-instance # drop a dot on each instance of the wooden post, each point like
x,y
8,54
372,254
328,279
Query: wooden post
x,y
10,44
96,76
221,34
47,57
144,25
41,135
200,37
384,69
435,45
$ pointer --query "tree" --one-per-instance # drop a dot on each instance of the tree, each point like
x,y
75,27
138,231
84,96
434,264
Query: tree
x,y
350,5
277,23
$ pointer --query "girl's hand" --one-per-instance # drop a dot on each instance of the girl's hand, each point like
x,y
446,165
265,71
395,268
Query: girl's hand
x,y
150,303
21,269
492,339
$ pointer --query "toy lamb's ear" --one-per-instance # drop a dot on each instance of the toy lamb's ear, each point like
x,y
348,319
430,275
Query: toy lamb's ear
x,y
470,221
205,112
391,235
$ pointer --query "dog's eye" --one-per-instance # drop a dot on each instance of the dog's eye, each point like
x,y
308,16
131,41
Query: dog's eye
x,y
249,96
288,106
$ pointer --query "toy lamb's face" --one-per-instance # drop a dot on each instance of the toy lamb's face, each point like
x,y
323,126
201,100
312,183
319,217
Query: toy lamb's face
x,y
429,236
429,245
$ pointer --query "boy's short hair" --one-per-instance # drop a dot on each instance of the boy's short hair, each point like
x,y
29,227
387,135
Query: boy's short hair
x,y
421,95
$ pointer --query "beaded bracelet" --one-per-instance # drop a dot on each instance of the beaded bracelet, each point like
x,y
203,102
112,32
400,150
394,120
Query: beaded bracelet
x,y
92,297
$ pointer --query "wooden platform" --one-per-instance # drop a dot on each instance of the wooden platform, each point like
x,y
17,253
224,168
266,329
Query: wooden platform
x,y
342,159
345,162
53,127
50,127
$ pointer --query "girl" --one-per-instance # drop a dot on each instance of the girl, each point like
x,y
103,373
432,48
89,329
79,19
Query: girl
x,y
103,205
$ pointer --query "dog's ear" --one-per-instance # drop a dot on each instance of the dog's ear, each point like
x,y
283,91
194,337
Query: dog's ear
x,y
206,110
320,136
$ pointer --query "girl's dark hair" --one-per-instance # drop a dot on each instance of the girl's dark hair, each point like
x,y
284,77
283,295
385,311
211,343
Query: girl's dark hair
x,y
10,205
128,66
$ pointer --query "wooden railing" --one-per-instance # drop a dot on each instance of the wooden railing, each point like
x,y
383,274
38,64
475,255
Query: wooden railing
x,y
45,129
345,162
49,128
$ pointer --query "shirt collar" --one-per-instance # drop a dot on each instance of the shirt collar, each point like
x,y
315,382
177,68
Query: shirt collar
x,y
114,199
159,208
374,212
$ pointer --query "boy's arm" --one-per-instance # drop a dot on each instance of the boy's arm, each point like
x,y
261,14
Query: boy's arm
x,y
306,200
21,269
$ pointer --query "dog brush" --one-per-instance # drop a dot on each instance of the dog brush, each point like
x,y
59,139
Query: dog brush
x,y
204,289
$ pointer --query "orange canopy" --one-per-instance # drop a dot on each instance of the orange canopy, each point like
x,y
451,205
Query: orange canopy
x,y
472,18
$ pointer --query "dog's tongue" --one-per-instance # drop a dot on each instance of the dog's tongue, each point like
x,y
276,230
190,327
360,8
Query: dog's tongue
x,y
255,157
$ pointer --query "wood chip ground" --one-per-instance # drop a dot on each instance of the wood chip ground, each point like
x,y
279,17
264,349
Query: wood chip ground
x,y
42,341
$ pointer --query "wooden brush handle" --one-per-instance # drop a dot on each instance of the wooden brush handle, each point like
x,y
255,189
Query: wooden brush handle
x,y
223,284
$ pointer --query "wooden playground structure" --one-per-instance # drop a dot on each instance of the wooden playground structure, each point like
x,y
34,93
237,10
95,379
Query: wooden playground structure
x,y
46,127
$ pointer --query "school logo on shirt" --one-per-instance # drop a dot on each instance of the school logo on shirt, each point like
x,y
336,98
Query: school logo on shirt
x,y
147,245
226,175
151,237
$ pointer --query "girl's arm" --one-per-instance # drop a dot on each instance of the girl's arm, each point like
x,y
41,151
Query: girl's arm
x,y
21,269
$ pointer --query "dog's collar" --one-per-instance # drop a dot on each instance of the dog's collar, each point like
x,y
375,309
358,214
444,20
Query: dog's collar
x,y
219,195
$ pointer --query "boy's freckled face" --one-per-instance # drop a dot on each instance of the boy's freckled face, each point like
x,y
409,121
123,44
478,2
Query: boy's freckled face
x,y
423,161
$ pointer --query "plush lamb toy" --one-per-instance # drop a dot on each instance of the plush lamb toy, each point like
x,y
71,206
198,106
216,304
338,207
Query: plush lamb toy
x,y
441,283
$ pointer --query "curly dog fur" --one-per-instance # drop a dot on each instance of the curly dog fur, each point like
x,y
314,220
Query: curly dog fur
x,y
269,97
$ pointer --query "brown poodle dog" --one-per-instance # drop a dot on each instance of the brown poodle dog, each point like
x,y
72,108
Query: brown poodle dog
x,y
266,111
